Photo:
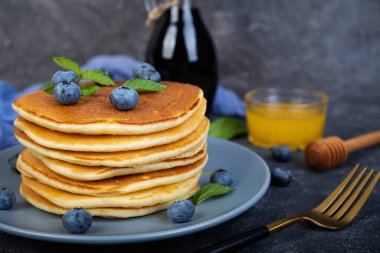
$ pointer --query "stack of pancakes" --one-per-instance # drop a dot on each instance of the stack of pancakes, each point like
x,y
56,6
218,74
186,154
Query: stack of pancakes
x,y
113,163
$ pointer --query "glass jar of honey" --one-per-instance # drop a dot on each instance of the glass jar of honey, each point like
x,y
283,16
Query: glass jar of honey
x,y
292,117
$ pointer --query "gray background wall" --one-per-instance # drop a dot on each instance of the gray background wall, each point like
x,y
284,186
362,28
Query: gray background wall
x,y
332,45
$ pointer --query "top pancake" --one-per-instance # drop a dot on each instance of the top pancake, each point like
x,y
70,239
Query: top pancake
x,y
155,111
109,143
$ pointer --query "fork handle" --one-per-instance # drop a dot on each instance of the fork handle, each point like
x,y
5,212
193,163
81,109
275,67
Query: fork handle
x,y
254,235
238,241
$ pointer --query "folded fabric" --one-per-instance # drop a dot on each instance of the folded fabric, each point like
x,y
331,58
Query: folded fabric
x,y
226,102
7,115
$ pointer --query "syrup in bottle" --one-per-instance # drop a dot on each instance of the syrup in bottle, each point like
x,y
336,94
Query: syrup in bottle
x,y
181,49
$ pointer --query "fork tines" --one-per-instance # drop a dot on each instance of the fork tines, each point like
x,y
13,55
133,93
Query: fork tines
x,y
345,202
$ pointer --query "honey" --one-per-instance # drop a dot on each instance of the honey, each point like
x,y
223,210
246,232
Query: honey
x,y
293,118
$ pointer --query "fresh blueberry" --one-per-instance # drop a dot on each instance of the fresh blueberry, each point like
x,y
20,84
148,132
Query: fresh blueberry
x,y
153,76
64,76
67,93
282,154
12,162
7,199
281,176
223,177
146,71
77,220
124,98
108,72
181,211
140,69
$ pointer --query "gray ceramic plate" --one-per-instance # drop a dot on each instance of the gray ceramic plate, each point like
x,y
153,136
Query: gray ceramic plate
x,y
252,181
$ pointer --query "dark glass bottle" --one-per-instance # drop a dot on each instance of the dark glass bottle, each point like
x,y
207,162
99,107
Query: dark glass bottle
x,y
181,49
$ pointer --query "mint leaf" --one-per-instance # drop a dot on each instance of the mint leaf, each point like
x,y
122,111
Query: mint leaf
x,y
143,85
49,88
89,89
210,190
98,77
68,64
226,128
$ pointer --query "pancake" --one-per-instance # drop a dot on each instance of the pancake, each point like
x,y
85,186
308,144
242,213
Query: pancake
x,y
155,111
30,165
111,212
90,173
108,143
148,197
122,158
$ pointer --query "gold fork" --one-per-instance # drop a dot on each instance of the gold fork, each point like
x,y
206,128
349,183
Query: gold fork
x,y
335,212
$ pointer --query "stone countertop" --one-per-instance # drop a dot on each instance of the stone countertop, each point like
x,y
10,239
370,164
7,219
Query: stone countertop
x,y
329,45
306,191
346,118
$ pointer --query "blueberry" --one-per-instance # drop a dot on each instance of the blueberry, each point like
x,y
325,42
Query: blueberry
x,y
181,211
140,69
124,98
282,154
67,93
281,176
108,72
77,220
64,76
146,71
223,177
12,162
153,76
7,199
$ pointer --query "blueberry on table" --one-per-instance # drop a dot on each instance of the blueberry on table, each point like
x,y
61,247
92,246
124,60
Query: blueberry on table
x,y
67,93
124,98
282,154
146,71
181,211
223,177
64,76
281,176
77,220
7,199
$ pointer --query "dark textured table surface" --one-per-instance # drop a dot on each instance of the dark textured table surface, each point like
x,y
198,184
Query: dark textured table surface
x,y
329,45
307,190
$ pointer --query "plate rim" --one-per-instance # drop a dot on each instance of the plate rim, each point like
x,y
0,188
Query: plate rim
x,y
152,236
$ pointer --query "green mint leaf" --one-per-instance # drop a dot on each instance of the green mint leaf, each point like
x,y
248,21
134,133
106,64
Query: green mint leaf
x,y
210,190
68,64
98,77
89,89
143,85
49,88
226,128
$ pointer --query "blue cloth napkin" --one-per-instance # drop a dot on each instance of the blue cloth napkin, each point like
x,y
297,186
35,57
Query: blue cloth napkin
x,y
226,102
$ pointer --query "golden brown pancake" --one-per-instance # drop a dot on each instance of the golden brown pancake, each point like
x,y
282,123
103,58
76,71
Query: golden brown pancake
x,y
155,111
92,173
28,164
148,197
111,212
122,158
108,143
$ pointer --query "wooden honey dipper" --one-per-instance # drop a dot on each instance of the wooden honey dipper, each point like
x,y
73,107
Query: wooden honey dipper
x,y
328,152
